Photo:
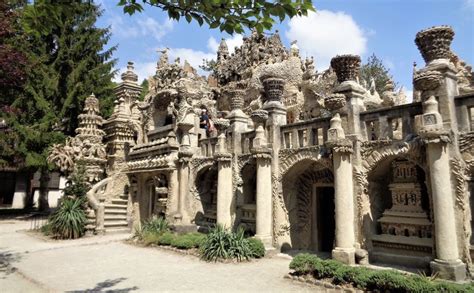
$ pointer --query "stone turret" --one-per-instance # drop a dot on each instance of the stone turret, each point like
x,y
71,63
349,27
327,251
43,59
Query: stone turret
x,y
223,51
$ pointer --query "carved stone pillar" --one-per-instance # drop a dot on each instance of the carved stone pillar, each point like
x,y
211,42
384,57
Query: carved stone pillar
x,y
224,176
447,263
343,192
183,175
173,194
264,217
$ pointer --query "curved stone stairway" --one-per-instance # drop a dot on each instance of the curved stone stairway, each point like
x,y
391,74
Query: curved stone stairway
x,y
115,216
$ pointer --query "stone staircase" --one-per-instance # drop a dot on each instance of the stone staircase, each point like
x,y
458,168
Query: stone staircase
x,y
115,216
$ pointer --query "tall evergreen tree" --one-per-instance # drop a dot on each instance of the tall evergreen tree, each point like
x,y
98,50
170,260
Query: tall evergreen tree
x,y
375,69
69,61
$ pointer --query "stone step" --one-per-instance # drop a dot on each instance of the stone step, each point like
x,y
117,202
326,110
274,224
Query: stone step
x,y
118,230
115,217
115,223
115,207
115,211
119,201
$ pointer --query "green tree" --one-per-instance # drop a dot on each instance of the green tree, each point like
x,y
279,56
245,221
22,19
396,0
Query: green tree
x,y
375,69
68,61
229,16
145,89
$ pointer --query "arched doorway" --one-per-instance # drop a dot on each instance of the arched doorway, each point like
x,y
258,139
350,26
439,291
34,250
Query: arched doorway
x,y
206,185
246,198
400,226
308,194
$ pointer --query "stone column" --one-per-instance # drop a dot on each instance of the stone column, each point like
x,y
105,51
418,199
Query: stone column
x,y
447,263
224,176
343,192
264,180
183,175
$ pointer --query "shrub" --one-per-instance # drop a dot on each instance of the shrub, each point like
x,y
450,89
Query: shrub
x,y
257,247
195,238
69,220
182,242
369,279
150,238
166,238
157,225
46,229
224,244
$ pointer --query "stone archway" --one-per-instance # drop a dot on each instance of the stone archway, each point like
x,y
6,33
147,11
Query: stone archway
x,y
308,196
206,191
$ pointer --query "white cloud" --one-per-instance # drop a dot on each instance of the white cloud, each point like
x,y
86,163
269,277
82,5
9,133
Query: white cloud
x,y
235,41
150,27
194,57
325,34
139,27
142,69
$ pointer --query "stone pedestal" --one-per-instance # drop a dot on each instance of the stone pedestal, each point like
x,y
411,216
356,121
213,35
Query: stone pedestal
x,y
264,198
450,270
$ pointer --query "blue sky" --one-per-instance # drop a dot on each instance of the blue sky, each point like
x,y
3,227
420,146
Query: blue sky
x,y
384,27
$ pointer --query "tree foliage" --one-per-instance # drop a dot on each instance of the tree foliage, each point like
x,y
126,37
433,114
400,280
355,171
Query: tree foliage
x,y
375,69
229,16
67,61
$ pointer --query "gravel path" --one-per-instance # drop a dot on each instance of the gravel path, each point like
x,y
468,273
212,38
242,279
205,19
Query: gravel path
x,y
107,264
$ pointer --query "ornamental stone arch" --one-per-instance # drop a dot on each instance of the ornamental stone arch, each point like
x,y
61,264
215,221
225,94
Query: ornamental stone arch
x,y
371,157
291,157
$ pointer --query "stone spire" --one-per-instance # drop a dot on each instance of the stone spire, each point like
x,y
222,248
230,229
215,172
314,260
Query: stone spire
x,y
222,51
129,76
90,121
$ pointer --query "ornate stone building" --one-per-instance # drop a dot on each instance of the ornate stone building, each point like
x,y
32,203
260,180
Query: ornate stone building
x,y
304,160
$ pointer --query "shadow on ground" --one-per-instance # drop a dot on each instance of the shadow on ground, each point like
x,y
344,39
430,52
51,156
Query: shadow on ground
x,y
6,259
106,286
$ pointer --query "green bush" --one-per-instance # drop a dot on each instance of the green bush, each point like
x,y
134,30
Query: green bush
x,y
157,225
195,238
369,279
69,220
150,238
224,244
46,229
166,238
182,242
257,247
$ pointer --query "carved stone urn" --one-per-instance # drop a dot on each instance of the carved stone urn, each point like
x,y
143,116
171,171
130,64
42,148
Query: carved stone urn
x,y
335,102
434,43
346,67
273,87
427,80
259,117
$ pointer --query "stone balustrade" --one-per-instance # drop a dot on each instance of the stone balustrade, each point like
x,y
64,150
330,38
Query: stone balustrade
x,y
304,134
247,141
208,146
465,112
393,123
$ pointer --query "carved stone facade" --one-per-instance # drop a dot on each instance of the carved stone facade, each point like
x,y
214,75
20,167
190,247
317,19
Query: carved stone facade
x,y
302,159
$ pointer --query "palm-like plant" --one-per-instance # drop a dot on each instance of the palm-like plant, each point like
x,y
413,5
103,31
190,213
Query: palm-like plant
x,y
69,220
221,243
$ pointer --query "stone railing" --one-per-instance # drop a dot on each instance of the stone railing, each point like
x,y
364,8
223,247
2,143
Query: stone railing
x,y
246,140
96,200
390,123
304,134
208,146
465,112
